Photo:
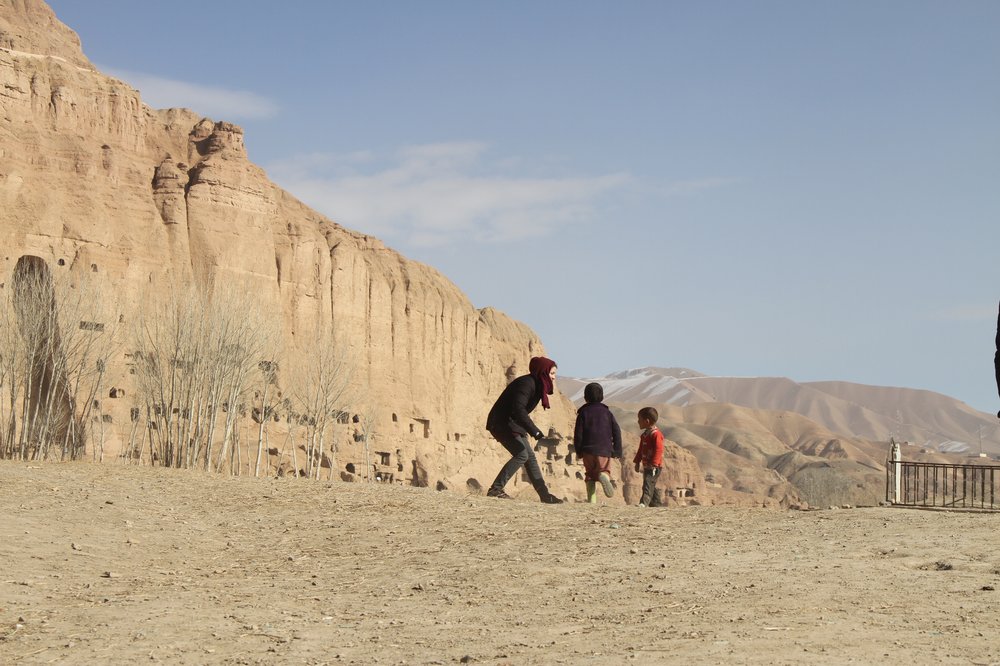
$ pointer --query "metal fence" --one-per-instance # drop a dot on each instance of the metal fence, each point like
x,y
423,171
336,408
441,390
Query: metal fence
x,y
925,484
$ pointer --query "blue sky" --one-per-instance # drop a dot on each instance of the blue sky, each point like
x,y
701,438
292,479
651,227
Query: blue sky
x,y
797,189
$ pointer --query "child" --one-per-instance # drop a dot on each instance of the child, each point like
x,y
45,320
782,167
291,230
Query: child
x,y
597,438
649,457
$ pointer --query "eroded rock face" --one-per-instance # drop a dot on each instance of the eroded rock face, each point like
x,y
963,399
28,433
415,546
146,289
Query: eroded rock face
x,y
30,26
91,179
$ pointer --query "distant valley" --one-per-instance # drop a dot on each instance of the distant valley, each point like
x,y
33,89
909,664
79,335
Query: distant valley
x,y
923,418
773,440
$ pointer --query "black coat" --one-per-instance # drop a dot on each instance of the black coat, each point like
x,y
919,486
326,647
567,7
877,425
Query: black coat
x,y
597,431
510,411
996,357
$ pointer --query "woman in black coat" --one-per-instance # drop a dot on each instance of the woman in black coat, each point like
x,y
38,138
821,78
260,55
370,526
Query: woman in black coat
x,y
510,425
996,357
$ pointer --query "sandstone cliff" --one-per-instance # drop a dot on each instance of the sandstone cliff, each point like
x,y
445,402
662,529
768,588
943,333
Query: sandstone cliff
x,y
94,181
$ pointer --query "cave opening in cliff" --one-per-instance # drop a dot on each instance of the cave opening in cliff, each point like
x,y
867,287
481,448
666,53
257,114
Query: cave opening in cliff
x,y
48,412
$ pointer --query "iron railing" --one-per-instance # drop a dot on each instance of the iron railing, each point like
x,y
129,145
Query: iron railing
x,y
943,485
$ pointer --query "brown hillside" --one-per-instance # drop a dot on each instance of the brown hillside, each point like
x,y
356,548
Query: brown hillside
x,y
766,457
870,412
927,419
939,416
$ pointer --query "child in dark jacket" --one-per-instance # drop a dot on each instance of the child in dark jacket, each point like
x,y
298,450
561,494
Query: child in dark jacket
x,y
597,439
649,458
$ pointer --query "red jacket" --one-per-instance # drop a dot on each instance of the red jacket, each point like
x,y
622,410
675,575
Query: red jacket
x,y
650,452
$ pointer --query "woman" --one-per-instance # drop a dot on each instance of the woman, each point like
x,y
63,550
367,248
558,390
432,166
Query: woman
x,y
510,425
996,357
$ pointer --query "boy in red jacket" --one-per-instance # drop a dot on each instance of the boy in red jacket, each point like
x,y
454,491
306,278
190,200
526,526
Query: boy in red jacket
x,y
649,458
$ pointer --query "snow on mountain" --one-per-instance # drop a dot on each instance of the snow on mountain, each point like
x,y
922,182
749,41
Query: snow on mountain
x,y
857,410
659,385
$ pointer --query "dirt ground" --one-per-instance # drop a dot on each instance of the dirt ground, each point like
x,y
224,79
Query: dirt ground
x,y
109,564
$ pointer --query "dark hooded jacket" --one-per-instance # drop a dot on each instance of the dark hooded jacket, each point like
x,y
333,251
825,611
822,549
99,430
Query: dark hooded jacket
x,y
510,412
996,357
596,431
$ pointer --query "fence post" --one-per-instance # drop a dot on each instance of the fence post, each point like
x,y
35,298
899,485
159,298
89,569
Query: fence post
x,y
895,459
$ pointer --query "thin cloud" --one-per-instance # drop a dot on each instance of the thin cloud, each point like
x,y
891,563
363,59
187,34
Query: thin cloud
x,y
687,187
438,193
216,102
307,166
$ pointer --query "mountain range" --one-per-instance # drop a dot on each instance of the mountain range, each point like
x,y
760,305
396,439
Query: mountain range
x,y
775,441
923,418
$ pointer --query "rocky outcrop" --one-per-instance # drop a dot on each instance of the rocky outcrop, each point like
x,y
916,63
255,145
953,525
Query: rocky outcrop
x,y
31,27
93,180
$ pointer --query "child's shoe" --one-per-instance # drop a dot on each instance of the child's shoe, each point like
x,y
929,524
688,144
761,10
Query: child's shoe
x,y
551,499
499,494
591,492
609,490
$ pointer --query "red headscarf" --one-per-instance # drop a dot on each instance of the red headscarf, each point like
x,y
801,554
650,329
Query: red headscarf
x,y
539,367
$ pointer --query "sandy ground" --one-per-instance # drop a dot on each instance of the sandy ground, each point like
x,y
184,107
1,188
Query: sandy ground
x,y
105,564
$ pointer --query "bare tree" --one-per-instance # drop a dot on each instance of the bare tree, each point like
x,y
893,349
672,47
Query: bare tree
x,y
168,339
319,382
246,346
12,352
367,420
265,404
196,355
90,331
57,335
43,402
